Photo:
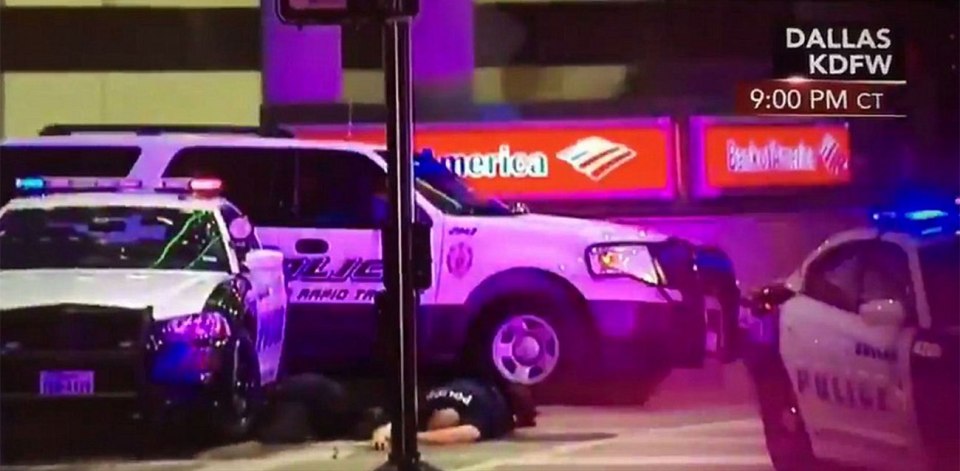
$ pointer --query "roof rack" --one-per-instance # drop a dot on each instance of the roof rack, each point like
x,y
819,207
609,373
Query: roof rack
x,y
159,129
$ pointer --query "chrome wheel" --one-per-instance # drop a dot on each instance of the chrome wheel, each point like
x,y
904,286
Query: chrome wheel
x,y
526,349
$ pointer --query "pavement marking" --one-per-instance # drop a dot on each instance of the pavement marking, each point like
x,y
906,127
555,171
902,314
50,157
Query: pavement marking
x,y
552,455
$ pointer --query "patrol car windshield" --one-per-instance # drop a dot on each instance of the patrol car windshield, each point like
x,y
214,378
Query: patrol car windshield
x,y
111,237
940,265
450,193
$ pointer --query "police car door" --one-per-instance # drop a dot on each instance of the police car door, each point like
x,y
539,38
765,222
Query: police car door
x,y
888,313
837,360
335,268
818,332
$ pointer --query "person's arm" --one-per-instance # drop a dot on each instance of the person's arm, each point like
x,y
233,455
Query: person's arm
x,y
450,436
447,436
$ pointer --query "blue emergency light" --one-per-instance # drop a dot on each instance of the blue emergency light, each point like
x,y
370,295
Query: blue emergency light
x,y
41,185
920,221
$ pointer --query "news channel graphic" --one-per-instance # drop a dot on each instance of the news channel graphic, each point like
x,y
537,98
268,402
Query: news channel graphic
x,y
840,52
801,97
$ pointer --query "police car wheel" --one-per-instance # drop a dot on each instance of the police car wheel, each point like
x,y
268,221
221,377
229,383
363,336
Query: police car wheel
x,y
244,401
528,340
784,430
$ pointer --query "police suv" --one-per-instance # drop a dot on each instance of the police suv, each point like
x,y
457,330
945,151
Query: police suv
x,y
527,296
855,355
155,303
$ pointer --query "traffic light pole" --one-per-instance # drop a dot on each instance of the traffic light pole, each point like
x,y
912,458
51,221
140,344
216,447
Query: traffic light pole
x,y
398,246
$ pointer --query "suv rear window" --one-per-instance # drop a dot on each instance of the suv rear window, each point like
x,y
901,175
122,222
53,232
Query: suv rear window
x,y
257,180
18,161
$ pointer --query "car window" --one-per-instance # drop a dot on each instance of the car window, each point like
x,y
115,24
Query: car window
x,y
339,189
18,161
834,277
886,275
258,180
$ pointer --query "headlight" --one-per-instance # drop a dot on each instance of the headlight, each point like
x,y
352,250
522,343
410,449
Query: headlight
x,y
623,260
203,327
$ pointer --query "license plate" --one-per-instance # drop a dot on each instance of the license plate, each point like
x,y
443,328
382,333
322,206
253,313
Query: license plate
x,y
66,383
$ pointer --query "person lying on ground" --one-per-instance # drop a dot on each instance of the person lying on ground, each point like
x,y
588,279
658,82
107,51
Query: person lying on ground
x,y
468,410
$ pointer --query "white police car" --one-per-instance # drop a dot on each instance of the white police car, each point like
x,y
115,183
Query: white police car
x,y
158,304
856,358
529,296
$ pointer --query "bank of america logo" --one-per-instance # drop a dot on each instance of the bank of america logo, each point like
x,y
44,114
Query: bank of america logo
x,y
834,160
596,157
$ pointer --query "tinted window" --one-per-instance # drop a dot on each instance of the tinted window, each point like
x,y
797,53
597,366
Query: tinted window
x,y
258,180
940,269
834,277
25,161
886,274
111,237
340,189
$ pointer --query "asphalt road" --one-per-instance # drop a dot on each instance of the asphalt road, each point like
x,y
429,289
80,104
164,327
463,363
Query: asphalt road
x,y
697,420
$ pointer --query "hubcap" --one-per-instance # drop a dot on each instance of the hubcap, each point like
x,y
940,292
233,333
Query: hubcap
x,y
525,349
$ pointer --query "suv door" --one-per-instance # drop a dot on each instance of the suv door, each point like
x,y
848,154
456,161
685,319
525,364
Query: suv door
x,y
333,243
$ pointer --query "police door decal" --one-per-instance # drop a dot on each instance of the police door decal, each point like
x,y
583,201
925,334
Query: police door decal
x,y
327,279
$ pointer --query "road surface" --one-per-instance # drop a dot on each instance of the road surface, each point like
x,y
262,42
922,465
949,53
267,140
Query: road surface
x,y
702,420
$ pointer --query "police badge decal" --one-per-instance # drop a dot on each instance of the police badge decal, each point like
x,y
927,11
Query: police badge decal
x,y
459,259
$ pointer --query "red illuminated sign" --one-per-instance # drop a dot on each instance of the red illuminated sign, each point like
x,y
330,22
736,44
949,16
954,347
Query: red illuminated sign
x,y
550,160
758,154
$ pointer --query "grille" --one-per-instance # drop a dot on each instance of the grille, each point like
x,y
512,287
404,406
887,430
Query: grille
x,y
72,328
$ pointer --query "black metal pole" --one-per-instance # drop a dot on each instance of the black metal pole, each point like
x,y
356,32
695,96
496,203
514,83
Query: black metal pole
x,y
398,249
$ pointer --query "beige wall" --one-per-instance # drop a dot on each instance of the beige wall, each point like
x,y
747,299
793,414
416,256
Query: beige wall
x,y
31,100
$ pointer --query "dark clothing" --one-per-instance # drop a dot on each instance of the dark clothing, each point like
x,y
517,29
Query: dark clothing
x,y
479,404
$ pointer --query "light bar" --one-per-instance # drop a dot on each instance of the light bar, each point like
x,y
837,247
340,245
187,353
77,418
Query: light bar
x,y
68,184
918,221
192,185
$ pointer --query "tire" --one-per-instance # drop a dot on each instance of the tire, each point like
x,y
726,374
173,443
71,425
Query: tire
x,y
244,401
533,340
787,440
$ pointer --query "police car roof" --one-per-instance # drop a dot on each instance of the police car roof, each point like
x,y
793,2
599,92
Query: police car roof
x,y
141,199
118,139
903,237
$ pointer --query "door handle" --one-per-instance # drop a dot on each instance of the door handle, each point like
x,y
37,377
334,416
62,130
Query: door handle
x,y
312,246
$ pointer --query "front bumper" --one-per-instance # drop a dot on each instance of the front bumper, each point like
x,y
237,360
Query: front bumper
x,y
131,380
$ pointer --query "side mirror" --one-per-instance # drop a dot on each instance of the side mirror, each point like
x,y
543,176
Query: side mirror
x,y
767,299
422,255
240,228
264,260
889,312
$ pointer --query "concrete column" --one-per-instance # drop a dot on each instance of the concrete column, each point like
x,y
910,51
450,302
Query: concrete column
x,y
443,56
299,65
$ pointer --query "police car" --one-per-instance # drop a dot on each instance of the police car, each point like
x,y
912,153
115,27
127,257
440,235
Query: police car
x,y
531,297
158,303
855,355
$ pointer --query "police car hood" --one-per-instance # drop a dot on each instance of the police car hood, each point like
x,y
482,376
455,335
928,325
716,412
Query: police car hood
x,y
171,293
592,230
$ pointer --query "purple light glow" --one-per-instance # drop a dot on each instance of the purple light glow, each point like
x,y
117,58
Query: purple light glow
x,y
200,327
305,65
443,43
299,65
